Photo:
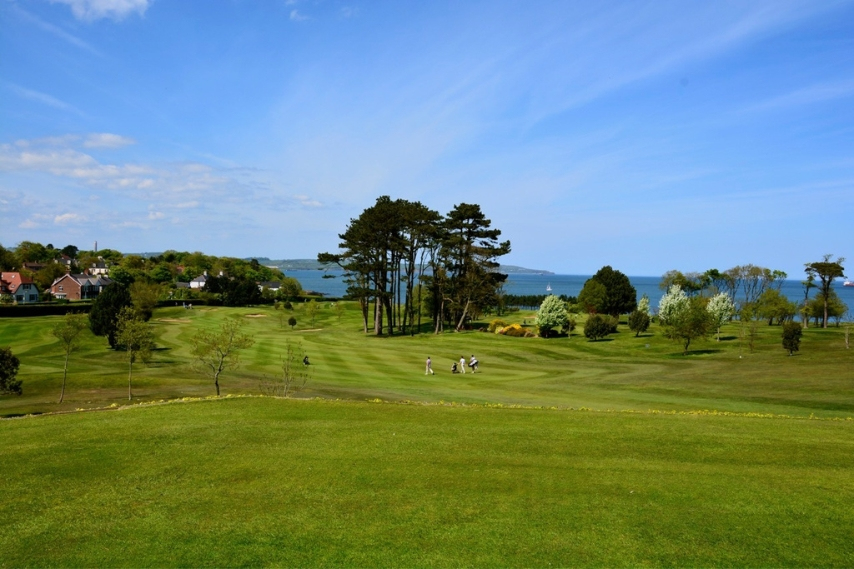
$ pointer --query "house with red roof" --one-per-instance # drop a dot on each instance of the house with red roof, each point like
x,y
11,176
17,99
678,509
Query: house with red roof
x,y
22,289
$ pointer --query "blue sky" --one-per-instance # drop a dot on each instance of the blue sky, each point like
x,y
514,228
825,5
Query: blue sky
x,y
644,135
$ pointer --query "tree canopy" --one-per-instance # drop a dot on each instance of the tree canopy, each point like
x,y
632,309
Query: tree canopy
x,y
826,271
395,244
620,296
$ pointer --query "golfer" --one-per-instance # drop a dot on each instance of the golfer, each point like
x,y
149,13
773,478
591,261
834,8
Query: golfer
x,y
463,364
429,367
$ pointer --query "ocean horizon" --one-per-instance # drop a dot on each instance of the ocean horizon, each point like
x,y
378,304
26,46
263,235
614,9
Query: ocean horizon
x,y
330,283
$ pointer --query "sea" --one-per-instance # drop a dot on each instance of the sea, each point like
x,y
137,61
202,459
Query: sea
x,y
331,284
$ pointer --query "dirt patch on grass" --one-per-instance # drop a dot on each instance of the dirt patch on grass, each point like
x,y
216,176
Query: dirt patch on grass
x,y
256,316
173,319
311,330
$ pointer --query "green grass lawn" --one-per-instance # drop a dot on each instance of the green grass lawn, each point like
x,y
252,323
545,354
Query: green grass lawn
x,y
622,372
307,483
490,480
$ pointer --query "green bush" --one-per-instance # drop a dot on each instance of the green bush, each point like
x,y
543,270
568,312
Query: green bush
x,y
597,327
792,332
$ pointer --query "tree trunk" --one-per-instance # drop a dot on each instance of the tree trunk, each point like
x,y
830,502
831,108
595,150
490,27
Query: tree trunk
x,y
462,321
216,383
64,375
130,374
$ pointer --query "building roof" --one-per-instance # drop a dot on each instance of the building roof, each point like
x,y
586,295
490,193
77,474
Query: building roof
x,y
10,282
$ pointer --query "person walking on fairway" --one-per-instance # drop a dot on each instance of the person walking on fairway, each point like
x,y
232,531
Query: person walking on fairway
x,y
429,366
463,364
473,364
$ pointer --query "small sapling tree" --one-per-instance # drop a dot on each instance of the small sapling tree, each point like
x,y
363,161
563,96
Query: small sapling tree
x,y
68,331
295,374
311,309
9,364
639,321
216,352
720,309
792,332
552,314
137,339
292,321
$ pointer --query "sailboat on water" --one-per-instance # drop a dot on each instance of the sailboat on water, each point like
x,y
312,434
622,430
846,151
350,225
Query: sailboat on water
x,y
549,287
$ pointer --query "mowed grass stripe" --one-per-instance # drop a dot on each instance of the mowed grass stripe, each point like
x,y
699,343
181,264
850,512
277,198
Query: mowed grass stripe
x,y
277,482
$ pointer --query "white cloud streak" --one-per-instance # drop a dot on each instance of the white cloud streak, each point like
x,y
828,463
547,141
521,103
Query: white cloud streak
x,y
55,30
107,140
43,98
91,10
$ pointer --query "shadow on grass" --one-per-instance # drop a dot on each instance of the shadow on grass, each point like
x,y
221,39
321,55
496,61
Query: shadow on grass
x,y
693,353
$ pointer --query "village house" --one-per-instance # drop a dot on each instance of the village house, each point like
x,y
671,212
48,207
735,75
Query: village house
x,y
79,287
22,289
98,268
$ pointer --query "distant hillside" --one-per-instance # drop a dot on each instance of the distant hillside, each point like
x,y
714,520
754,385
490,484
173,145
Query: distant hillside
x,y
312,265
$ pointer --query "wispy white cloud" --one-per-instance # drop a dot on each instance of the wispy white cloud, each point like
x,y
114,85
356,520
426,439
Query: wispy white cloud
x,y
806,96
107,140
182,185
55,30
297,17
66,218
43,98
91,10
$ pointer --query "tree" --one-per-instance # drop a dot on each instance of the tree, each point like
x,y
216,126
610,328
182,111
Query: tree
x,y
136,337
105,310
792,332
311,309
638,321
620,296
8,259
643,304
469,249
68,331
673,303
721,309
772,304
592,296
9,364
597,327
292,321
826,270
552,314
216,352
689,323
144,297
295,374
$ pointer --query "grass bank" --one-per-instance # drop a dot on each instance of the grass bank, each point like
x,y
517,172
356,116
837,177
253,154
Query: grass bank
x,y
264,481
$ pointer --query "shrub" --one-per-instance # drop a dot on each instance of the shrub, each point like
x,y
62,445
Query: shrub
x,y
597,327
792,332
496,325
516,331
638,322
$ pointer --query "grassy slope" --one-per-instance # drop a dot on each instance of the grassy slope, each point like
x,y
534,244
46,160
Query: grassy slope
x,y
622,372
278,482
